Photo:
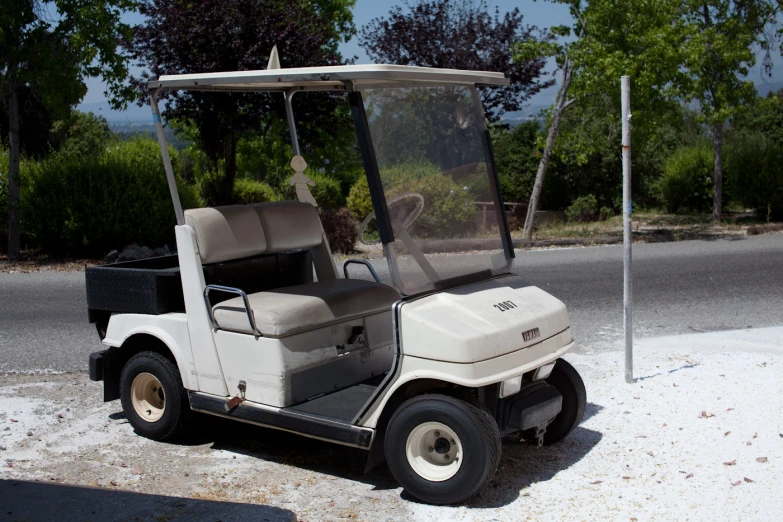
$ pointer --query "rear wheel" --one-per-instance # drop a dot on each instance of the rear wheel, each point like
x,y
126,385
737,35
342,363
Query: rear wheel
x,y
568,382
153,397
441,449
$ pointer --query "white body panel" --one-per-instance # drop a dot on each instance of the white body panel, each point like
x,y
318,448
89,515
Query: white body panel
x,y
267,365
205,357
172,329
468,324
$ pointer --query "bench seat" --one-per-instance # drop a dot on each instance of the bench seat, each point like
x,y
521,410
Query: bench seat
x,y
295,309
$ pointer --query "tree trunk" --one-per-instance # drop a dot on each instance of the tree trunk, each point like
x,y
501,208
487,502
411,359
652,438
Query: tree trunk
x,y
560,106
13,167
717,198
226,190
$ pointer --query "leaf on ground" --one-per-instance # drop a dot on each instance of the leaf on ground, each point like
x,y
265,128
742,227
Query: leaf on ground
x,y
14,420
736,483
689,475
596,482
626,412
731,463
137,471
755,435
707,415
729,409
761,459
746,479
749,443
626,478
727,433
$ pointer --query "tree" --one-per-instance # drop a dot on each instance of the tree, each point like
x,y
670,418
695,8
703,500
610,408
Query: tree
x,y
609,39
50,48
459,35
719,51
765,117
214,36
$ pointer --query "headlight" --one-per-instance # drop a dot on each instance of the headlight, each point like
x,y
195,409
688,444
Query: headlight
x,y
510,386
543,372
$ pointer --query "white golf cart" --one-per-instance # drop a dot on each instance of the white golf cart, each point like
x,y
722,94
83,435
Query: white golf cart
x,y
426,360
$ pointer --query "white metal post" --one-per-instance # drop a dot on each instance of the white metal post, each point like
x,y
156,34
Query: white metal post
x,y
164,152
289,111
627,238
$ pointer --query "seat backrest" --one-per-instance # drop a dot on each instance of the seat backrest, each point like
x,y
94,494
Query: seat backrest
x,y
239,231
289,225
225,233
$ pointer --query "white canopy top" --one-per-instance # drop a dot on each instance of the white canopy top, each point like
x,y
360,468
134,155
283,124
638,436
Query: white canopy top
x,y
324,78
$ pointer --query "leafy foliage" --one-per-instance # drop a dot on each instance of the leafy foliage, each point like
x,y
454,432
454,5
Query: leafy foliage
x,y
687,179
459,35
47,49
89,205
247,191
754,177
341,231
82,134
236,36
583,209
359,201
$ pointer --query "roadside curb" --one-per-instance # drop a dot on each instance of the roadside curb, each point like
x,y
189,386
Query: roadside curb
x,y
446,246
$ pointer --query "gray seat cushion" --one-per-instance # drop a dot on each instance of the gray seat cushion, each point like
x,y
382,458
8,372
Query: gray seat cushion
x,y
301,308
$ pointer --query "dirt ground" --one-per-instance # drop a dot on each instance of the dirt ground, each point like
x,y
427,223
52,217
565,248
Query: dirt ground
x,y
693,439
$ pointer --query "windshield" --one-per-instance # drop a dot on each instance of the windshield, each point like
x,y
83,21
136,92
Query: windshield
x,y
435,173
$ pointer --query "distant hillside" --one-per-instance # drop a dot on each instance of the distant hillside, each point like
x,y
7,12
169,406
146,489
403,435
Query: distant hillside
x,y
765,88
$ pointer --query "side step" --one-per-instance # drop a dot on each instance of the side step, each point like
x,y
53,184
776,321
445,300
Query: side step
x,y
309,426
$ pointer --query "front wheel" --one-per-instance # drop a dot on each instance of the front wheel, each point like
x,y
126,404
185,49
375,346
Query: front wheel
x,y
568,382
442,450
153,397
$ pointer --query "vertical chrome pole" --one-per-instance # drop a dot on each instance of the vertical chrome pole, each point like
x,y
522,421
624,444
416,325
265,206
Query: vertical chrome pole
x,y
627,237
289,110
164,151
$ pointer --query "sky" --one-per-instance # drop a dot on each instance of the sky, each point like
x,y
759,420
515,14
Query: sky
x,y
538,13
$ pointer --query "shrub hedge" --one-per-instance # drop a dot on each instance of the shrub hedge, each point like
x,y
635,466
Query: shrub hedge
x,y
754,175
686,183
72,205
247,191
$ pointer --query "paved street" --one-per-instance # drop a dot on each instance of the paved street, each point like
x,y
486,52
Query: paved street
x,y
683,287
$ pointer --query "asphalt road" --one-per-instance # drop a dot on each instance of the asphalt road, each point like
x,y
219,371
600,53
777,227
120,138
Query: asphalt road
x,y
683,287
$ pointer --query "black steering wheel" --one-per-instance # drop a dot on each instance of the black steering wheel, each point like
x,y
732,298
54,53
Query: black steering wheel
x,y
404,209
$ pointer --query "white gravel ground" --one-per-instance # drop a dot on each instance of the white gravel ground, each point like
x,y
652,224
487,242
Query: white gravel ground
x,y
699,436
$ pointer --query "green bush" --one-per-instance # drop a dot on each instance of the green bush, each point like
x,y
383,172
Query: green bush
x,y
686,182
87,206
247,191
605,213
583,209
448,207
326,191
340,229
753,175
358,200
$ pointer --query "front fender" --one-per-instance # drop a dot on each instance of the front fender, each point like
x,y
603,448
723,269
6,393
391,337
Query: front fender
x,y
170,329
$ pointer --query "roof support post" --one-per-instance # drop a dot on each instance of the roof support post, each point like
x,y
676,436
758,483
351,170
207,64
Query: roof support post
x,y
164,152
289,111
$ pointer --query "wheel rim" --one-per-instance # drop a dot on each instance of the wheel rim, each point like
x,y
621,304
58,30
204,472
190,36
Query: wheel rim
x,y
147,397
434,451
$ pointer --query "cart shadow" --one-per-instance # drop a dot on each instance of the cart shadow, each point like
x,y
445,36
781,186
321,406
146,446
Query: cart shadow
x,y
523,465
28,500
289,449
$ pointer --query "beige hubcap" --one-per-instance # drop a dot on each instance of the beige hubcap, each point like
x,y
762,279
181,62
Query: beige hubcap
x,y
147,397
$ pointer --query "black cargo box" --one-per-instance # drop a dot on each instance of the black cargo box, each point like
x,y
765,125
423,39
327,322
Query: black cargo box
x,y
153,286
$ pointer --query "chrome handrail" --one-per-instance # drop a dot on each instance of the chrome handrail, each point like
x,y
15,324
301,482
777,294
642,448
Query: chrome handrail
x,y
229,290
361,262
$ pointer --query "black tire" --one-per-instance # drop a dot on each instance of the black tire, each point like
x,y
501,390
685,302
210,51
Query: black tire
x,y
569,383
478,434
176,412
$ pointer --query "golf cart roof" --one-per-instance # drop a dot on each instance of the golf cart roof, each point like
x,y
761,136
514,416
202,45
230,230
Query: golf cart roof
x,y
324,78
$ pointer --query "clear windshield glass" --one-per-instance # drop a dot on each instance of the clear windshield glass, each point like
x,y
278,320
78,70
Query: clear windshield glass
x,y
433,168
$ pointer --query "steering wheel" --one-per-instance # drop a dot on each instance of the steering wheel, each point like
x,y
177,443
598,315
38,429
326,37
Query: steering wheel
x,y
400,211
